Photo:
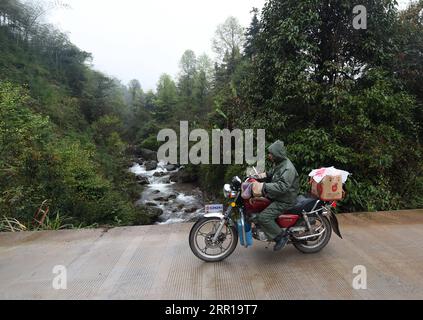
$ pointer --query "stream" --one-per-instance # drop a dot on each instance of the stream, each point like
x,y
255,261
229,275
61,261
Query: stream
x,y
180,202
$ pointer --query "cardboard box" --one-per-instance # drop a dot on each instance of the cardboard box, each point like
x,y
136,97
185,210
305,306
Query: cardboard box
x,y
329,189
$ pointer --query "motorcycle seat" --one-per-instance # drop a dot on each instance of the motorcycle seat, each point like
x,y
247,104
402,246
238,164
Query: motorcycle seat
x,y
303,204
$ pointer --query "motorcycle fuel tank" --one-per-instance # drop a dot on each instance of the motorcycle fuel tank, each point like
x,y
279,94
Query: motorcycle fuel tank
x,y
256,205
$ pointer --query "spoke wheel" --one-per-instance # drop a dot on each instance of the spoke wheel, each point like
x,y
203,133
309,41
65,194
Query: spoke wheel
x,y
316,244
201,240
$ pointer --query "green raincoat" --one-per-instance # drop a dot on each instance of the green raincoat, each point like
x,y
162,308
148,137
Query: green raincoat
x,y
282,187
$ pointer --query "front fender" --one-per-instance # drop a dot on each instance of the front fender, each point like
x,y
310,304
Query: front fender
x,y
214,215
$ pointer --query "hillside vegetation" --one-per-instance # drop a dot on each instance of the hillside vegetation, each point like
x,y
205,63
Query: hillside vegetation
x,y
336,95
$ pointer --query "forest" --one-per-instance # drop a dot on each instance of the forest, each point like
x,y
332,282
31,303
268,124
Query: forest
x,y
336,95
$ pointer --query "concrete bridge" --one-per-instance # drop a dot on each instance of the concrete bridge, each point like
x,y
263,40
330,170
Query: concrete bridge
x,y
155,262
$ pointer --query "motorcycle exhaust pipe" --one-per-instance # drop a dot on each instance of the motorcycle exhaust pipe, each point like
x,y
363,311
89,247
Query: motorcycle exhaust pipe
x,y
310,236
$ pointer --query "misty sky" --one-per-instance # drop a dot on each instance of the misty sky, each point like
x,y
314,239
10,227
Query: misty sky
x,y
141,39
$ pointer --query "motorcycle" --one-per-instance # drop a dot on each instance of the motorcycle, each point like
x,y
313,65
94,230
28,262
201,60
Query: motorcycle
x,y
309,224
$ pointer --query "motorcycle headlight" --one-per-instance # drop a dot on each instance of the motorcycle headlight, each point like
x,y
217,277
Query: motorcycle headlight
x,y
236,183
227,190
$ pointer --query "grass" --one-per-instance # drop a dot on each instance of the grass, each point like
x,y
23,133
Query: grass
x,y
11,225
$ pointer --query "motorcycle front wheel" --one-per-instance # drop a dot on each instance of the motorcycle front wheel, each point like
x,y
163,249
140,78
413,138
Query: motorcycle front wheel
x,y
200,240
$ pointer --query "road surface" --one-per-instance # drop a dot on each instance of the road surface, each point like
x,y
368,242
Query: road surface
x,y
155,262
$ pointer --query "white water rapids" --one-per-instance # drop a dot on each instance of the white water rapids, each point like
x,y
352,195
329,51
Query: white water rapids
x,y
180,202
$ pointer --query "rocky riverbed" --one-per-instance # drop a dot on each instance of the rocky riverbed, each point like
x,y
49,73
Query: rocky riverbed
x,y
168,188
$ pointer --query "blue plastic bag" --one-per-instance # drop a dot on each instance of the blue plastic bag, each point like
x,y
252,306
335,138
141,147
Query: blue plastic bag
x,y
248,234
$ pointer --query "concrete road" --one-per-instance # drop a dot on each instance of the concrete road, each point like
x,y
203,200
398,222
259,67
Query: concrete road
x,y
155,262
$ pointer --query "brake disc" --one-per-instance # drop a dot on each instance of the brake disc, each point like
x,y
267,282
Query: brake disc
x,y
209,240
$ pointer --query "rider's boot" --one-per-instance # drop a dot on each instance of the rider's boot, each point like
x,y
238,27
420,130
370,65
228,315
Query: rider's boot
x,y
281,241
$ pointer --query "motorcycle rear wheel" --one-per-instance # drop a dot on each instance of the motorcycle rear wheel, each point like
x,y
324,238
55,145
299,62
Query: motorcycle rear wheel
x,y
309,247
200,240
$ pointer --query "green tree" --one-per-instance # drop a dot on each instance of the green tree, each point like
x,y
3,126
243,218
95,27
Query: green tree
x,y
203,85
251,35
166,99
135,92
229,39
330,92
188,71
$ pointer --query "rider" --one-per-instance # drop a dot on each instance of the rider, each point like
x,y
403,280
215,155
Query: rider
x,y
281,185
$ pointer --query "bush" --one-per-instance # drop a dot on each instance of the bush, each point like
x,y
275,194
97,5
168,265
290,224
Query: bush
x,y
151,143
39,164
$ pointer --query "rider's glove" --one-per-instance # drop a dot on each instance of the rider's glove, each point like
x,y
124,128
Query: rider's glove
x,y
257,190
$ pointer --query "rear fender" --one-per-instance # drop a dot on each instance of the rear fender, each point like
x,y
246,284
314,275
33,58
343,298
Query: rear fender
x,y
334,222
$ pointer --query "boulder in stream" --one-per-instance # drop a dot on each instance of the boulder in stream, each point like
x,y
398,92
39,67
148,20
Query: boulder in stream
x,y
159,174
171,167
150,165
152,214
191,210
183,176
165,198
173,176
160,198
151,204
142,180
148,155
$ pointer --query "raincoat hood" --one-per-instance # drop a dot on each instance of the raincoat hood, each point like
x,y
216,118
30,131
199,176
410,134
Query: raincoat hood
x,y
278,151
